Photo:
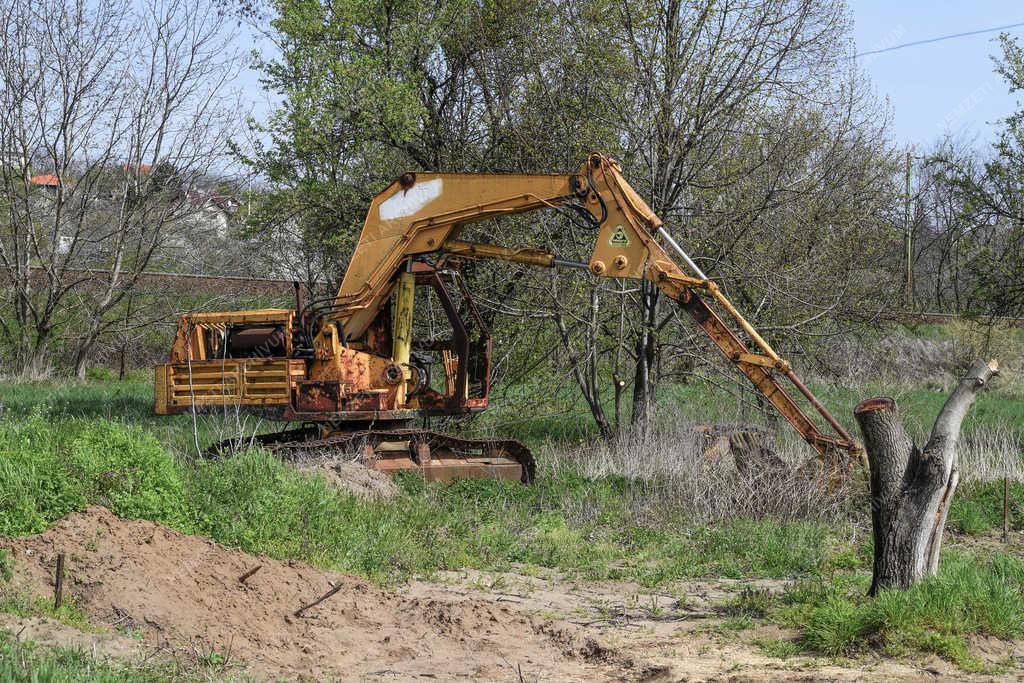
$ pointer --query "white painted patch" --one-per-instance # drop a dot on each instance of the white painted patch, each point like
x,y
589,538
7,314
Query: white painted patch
x,y
407,202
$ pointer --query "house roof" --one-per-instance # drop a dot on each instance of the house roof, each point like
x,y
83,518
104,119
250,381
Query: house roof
x,y
212,200
46,180
141,168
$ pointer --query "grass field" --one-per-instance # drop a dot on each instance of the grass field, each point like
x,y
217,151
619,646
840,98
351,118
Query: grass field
x,y
71,445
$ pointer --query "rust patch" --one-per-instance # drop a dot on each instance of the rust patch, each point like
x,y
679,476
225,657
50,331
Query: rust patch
x,y
317,397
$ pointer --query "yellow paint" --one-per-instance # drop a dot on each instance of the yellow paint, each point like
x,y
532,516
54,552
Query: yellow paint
x,y
426,216
401,335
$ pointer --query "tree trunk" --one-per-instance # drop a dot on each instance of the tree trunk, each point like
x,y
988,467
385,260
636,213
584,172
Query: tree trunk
x,y
645,378
911,489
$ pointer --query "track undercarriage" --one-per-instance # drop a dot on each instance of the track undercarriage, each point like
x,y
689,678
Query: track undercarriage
x,y
436,456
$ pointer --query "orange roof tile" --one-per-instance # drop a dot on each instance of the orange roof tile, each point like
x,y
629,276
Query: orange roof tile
x,y
46,180
142,168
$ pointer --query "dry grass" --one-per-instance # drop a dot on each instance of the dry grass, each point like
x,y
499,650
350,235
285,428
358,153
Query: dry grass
x,y
991,454
671,468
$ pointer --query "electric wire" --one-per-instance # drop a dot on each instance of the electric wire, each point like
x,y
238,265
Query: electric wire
x,y
938,39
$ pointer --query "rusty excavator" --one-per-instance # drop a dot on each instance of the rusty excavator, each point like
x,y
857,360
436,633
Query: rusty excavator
x,y
348,369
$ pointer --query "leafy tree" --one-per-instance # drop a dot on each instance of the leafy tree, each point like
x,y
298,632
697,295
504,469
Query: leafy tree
x,y
375,88
989,203
738,121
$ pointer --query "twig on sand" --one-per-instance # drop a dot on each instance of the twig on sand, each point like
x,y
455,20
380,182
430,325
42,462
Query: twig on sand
x,y
246,576
323,597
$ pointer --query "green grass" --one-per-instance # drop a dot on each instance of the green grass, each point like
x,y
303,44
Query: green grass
x,y
978,507
67,446
53,467
530,413
27,662
1001,407
22,603
129,402
970,595
777,647
256,502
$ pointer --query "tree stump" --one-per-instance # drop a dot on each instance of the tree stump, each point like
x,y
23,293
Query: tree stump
x,y
911,488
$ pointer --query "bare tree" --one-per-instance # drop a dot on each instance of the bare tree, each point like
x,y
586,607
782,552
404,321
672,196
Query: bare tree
x,y
110,111
740,121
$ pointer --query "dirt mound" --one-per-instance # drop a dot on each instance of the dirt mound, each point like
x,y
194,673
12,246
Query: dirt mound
x,y
354,477
185,592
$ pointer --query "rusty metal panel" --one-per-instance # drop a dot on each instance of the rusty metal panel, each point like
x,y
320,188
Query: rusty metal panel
x,y
317,396
449,469
368,400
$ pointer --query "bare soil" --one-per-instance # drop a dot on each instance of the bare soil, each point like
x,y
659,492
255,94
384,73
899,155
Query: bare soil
x,y
685,635
183,594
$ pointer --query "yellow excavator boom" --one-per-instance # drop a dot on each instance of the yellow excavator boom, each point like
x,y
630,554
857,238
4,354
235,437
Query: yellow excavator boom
x,y
352,361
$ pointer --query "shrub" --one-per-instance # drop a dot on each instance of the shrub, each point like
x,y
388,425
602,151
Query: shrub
x,y
53,468
974,339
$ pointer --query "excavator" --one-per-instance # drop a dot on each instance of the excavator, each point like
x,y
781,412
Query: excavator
x,y
348,369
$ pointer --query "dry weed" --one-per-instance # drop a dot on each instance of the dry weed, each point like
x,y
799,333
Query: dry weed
x,y
671,469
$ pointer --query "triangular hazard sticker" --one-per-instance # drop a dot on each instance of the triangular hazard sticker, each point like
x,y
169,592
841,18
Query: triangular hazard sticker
x,y
619,237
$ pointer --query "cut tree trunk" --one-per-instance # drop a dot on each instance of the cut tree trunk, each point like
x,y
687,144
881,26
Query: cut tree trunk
x,y
911,488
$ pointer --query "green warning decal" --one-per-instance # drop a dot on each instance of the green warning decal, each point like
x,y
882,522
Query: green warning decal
x,y
619,238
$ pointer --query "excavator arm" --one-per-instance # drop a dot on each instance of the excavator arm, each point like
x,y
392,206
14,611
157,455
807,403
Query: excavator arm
x,y
423,214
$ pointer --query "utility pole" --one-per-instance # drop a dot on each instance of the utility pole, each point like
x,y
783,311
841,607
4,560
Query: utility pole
x,y
909,230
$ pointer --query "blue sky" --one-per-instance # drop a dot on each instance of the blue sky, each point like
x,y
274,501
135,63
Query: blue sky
x,y
941,87
932,89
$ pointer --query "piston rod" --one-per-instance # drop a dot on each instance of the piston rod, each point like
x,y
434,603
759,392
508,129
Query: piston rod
x,y
679,250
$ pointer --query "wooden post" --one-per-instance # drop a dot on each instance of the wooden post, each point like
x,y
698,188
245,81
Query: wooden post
x,y
323,597
1006,509
58,584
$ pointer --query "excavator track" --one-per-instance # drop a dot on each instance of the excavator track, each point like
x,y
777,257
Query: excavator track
x,y
437,456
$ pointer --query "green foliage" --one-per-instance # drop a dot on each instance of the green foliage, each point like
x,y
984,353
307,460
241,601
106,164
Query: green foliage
x,y
53,468
373,89
969,596
987,226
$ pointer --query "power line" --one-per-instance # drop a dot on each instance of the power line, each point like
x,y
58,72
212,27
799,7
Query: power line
x,y
935,40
